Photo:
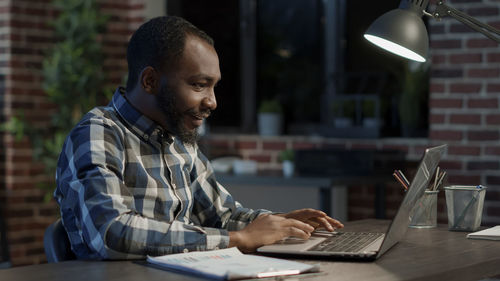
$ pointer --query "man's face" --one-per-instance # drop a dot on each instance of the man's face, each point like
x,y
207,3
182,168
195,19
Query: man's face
x,y
187,95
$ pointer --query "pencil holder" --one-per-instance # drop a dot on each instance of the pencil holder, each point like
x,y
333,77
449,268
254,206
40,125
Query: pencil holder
x,y
465,207
424,214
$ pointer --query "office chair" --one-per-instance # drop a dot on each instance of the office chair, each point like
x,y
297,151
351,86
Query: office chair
x,y
4,246
56,243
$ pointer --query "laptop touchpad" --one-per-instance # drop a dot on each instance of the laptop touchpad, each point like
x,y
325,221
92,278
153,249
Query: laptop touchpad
x,y
293,244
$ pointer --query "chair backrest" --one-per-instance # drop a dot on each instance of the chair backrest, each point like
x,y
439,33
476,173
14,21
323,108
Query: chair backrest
x,y
4,246
56,243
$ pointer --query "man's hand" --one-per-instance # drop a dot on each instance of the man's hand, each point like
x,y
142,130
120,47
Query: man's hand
x,y
267,229
315,218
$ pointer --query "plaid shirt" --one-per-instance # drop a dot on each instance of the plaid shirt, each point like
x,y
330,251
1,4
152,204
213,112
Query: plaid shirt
x,y
126,189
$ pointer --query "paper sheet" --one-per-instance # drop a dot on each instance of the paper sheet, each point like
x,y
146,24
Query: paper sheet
x,y
230,264
492,233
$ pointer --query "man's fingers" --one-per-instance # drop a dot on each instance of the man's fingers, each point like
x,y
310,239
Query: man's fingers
x,y
304,214
313,223
323,222
315,218
299,233
297,229
327,222
335,223
298,224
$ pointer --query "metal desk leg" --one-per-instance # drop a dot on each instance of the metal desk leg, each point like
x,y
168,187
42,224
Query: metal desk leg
x,y
379,201
325,197
4,246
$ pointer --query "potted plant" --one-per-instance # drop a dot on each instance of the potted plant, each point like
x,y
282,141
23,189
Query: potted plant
x,y
73,79
413,99
344,112
370,120
270,118
286,157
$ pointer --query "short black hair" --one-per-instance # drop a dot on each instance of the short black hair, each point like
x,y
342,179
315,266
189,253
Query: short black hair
x,y
159,43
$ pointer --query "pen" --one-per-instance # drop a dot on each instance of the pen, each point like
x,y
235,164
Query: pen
x,y
440,181
461,217
404,178
395,175
435,179
272,273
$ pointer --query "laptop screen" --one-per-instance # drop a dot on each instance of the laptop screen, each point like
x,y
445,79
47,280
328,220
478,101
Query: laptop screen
x,y
401,221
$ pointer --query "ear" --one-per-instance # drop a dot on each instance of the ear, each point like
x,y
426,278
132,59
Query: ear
x,y
149,80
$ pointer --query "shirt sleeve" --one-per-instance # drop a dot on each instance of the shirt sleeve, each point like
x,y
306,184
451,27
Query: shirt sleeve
x,y
214,206
98,210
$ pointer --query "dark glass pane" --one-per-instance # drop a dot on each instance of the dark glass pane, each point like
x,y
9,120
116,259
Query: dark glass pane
x,y
289,57
220,20
361,57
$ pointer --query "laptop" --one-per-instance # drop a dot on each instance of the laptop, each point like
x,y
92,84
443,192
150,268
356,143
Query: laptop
x,y
363,245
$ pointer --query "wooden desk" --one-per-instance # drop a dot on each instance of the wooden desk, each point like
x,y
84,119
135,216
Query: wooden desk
x,y
425,254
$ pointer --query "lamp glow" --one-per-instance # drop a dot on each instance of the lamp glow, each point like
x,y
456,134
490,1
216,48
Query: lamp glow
x,y
394,48
402,31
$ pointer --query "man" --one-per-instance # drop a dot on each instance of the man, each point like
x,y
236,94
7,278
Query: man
x,y
131,180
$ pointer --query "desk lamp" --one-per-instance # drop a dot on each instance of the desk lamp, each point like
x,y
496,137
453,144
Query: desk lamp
x,y
402,31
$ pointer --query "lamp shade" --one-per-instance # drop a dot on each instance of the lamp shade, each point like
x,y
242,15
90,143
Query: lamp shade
x,y
402,32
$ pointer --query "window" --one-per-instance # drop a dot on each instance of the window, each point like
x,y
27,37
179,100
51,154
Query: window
x,y
308,55
219,19
290,59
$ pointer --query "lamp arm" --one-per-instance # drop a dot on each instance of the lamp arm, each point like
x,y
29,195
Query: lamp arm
x,y
445,10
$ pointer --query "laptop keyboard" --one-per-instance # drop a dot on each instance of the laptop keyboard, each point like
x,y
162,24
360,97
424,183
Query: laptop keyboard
x,y
346,242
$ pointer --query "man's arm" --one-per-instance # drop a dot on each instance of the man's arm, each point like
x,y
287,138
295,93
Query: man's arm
x,y
250,229
213,205
100,212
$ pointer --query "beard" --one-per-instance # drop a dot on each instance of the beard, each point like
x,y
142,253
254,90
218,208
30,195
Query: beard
x,y
167,102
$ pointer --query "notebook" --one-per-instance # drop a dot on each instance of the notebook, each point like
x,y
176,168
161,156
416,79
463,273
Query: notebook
x,y
229,264
342,245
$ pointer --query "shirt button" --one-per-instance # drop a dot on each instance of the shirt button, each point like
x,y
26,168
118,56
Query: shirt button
x,y
146,137
185,251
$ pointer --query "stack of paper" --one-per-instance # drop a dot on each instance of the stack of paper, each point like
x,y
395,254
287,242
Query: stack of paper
x,y
488,234
230,264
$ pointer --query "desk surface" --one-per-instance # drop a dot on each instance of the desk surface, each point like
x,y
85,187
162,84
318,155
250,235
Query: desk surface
x,y
424,254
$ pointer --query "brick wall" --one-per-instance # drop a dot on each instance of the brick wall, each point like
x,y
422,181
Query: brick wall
x,y
265,151
464,112
24,36
464,101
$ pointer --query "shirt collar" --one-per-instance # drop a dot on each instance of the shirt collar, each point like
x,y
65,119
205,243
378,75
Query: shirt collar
x,y
138,122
